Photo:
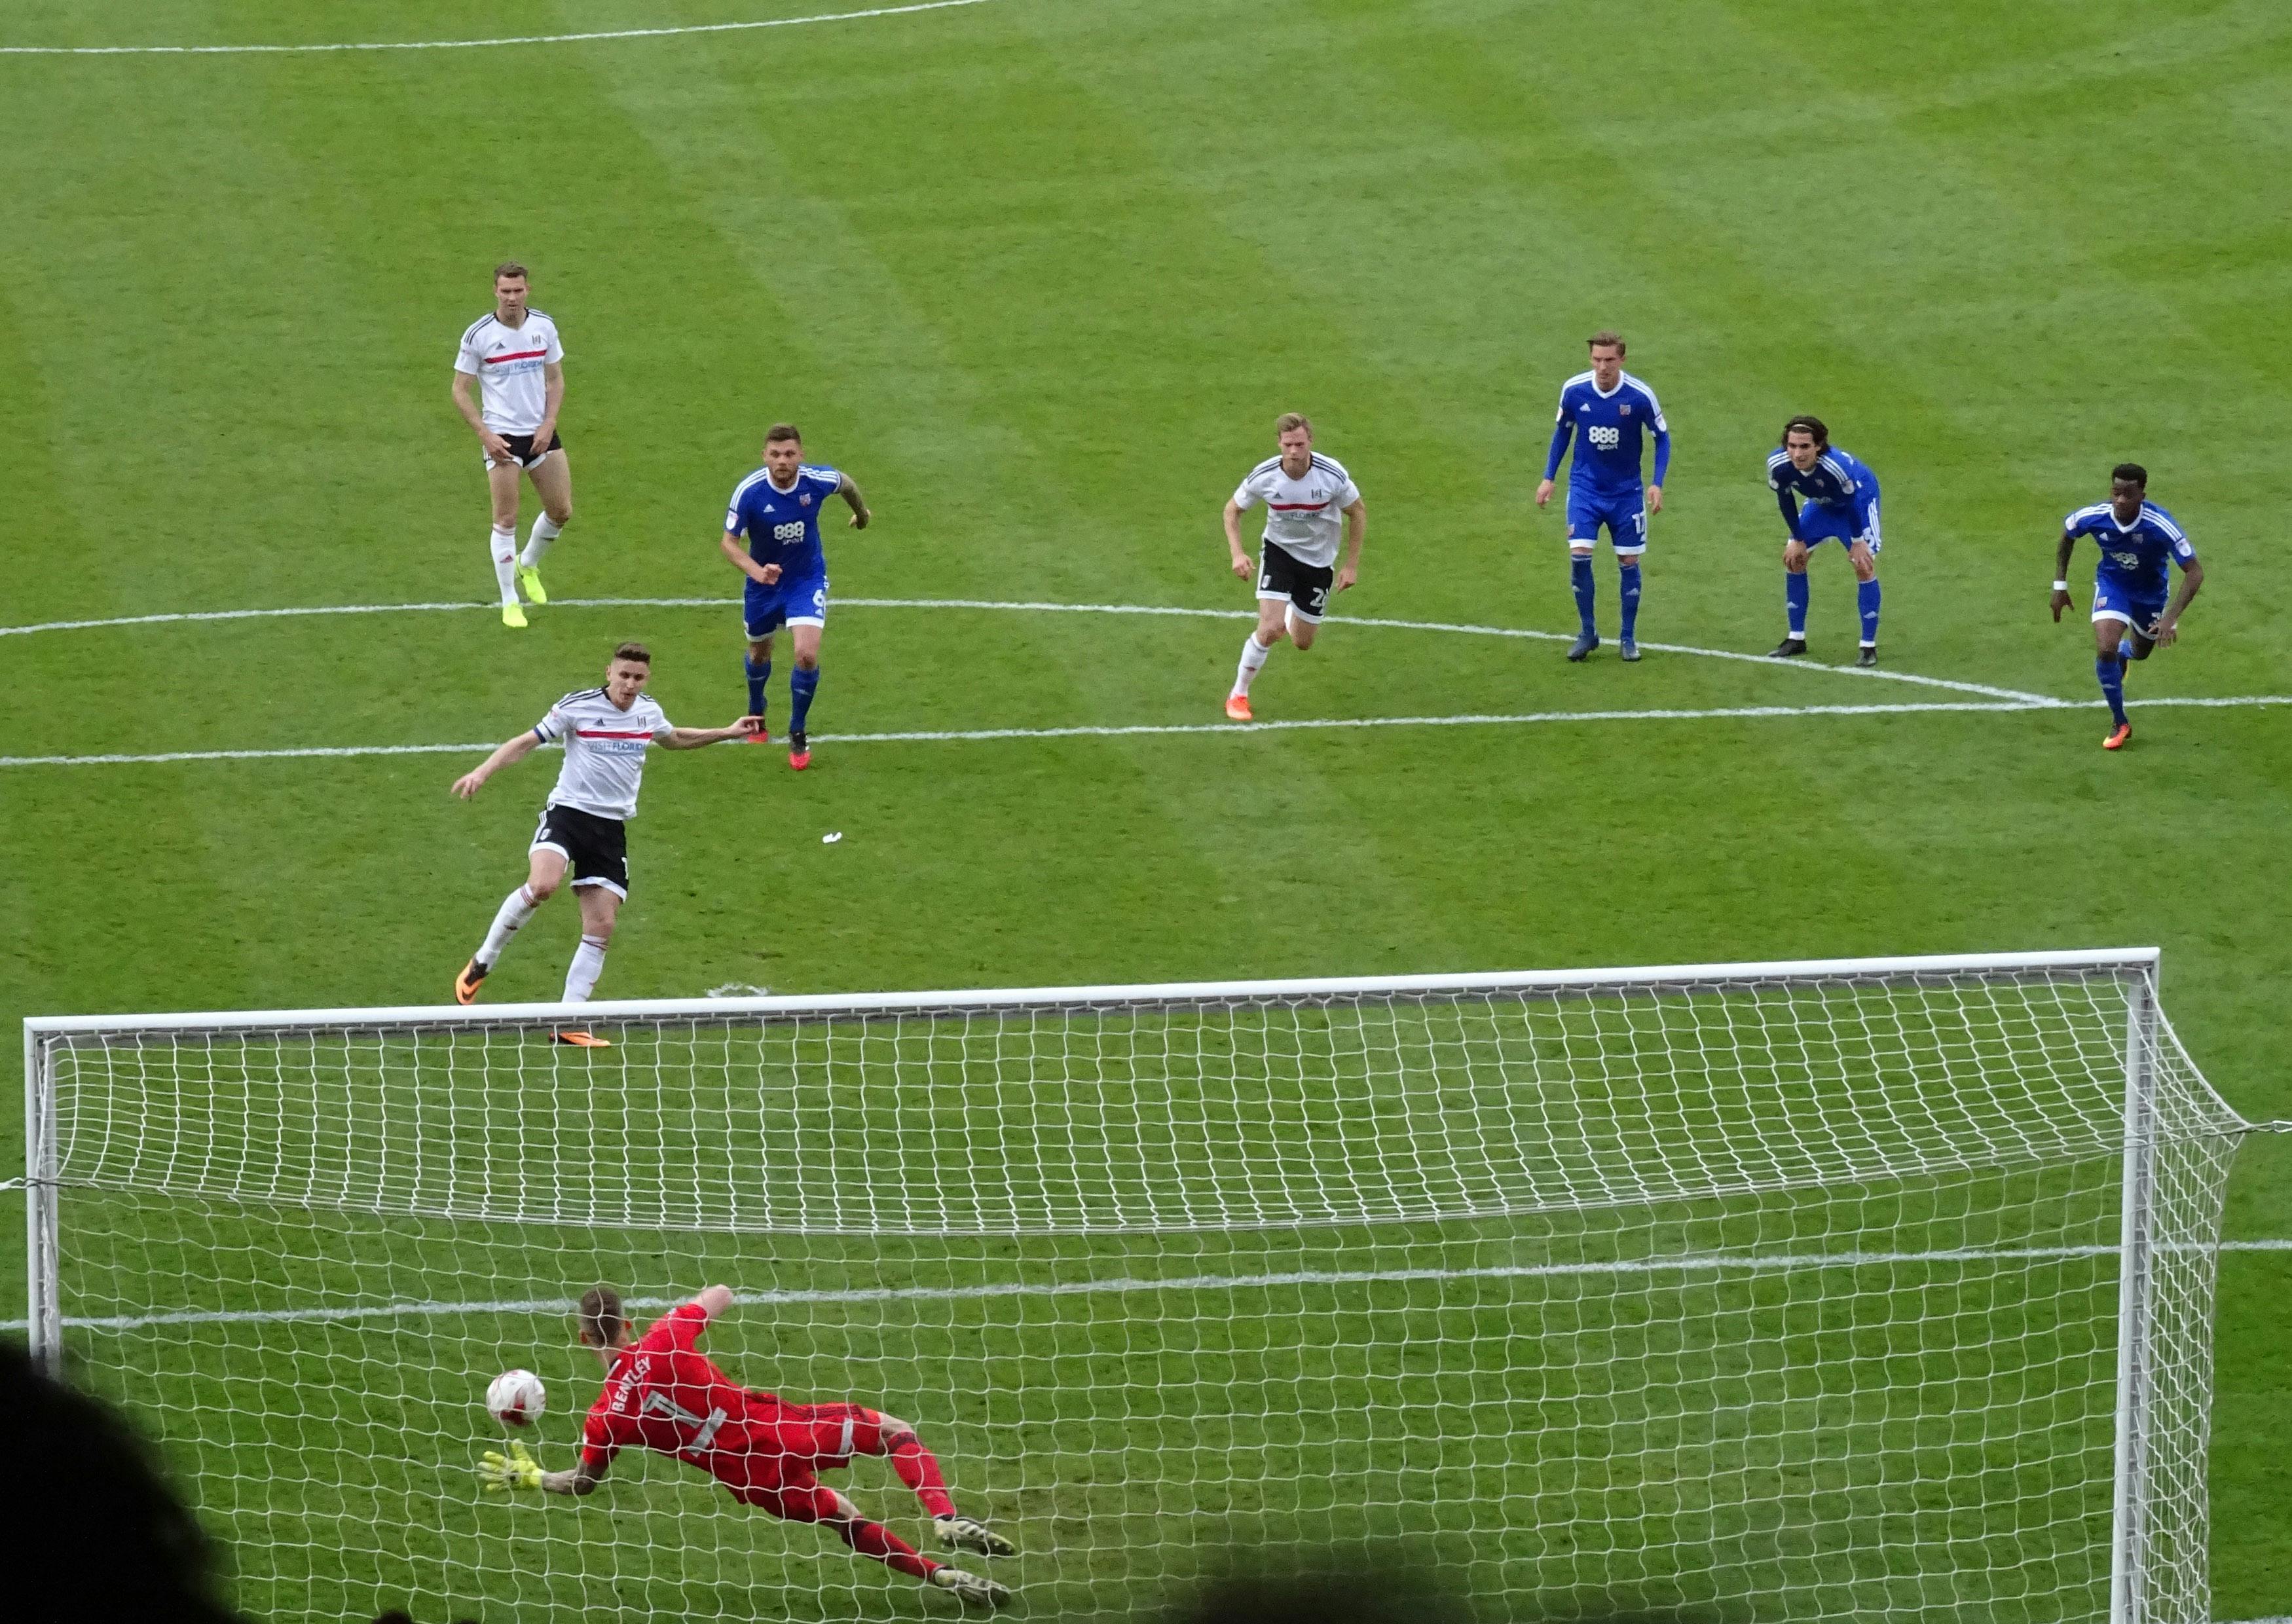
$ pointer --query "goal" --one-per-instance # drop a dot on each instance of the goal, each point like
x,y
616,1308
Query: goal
x,y
1819,1291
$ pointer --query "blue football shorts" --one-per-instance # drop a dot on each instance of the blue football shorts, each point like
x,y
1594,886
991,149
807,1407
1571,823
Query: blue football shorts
x,y
1821,521
2112,601
793,600
1624,513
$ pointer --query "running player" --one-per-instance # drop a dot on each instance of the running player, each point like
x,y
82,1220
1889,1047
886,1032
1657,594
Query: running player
x,y
1303,493
1841,505
777,509
585,822
2139,543
663,1394
1609,411
520,365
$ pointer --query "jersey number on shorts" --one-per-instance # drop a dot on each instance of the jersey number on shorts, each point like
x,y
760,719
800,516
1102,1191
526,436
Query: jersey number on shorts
x,y
705,1431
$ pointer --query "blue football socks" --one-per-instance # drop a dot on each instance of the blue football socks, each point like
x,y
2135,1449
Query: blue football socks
x,y
802,685
1627,580
1579,572
758,675
2111,670
1866,599
1794,596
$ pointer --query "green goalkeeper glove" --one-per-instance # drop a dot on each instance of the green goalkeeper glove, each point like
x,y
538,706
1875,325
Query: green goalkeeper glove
x,y
517,1469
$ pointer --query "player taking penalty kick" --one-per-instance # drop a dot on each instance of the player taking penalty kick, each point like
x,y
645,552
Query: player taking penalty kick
x,y
663,1394
585,823
1305,495
519,363
2139,543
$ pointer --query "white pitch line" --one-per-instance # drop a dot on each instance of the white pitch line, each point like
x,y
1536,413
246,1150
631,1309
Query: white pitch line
x,y
1010,606
478,44
1148,730
1131,1285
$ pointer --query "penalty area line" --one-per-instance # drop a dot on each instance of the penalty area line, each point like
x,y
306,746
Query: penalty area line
x,y
1131,1285
480,44
1736,713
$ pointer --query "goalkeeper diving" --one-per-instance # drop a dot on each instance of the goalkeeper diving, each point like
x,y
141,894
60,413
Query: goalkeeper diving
x,y
662,1394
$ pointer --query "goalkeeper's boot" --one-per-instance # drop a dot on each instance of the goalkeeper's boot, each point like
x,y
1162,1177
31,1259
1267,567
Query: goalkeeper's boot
x,y
962,1533
976,1589
1586,642
799,751
1790,648
1868,657
579,1039
2118,736
529,578
514,617
1628,651
465,985
1237,707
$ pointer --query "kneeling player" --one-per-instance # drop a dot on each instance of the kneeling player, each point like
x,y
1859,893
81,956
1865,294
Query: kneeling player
x,y
1304,494
2139,544
662,1394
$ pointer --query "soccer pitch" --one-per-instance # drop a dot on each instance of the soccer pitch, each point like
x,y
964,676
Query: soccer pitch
x,y
1040,274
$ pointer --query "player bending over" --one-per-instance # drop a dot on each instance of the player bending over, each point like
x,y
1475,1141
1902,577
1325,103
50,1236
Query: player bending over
x,y
777,509
662,1394
585,822
519,362
1607,411
1303,493
1841,505
2139,543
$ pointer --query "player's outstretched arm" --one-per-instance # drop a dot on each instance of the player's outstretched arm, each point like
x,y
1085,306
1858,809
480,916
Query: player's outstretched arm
x,y
2192,576
513,750
499,1473
694,738
714,1301
2061,573
849,489
1356,528
1242,566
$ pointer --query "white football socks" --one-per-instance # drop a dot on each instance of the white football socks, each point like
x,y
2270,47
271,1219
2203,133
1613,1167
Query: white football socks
x,y
1253,661
516,908
503,545
588,965
546,530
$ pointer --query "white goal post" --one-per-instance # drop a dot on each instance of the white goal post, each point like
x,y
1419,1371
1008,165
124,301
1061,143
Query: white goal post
x,y
1821,1290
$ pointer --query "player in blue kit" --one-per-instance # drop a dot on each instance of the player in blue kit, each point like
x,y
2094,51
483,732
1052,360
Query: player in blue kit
x,y
1841,505
776,508
2139,544
1609,412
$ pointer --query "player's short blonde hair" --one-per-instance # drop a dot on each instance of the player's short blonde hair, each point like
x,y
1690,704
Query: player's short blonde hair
x,y
1604,337
601,1318
1287,421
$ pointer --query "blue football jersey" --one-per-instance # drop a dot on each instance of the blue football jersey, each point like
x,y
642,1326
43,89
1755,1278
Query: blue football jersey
x,y
2138,556
783,526
1838,479
1609,430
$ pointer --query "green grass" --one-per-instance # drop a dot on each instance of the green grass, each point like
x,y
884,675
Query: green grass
x,y
1040,275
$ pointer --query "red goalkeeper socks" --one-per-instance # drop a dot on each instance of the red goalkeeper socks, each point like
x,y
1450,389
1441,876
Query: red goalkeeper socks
x,y
918,1469
874,1539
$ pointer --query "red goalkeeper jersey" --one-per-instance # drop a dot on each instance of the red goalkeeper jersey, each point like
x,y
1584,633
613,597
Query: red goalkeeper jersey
x,y
666,1397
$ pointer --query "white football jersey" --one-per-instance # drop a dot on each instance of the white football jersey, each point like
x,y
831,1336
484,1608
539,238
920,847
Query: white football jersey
x,y
604,750
507,363
1305,518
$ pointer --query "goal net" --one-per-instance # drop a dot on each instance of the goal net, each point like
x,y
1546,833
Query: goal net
x,y
1819,1291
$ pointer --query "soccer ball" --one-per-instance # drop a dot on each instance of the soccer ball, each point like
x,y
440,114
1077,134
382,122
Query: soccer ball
x,y
516,1398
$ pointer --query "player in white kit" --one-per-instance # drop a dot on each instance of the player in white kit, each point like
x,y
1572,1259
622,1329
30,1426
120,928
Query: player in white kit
x,y
515,355
1308,499
585,822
